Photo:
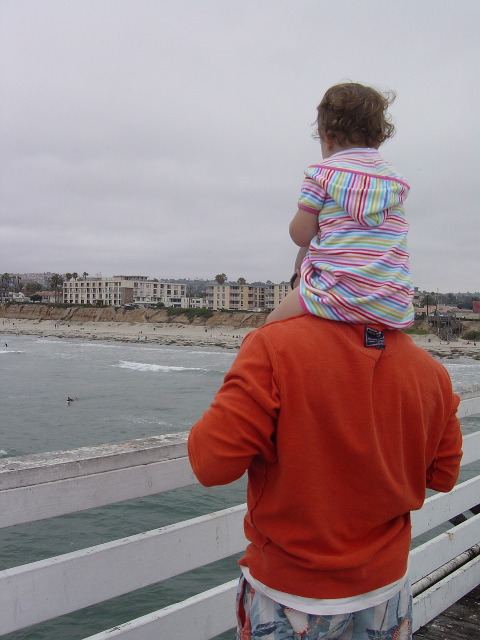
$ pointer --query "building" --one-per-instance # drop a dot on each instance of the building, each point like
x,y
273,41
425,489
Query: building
x,y
115,291
47,296
151,292
246,297
118,291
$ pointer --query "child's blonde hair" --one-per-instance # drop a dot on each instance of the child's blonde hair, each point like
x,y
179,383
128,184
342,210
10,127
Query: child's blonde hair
x,y
356,114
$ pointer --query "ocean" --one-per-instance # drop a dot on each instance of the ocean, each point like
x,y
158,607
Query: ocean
x,y
124,391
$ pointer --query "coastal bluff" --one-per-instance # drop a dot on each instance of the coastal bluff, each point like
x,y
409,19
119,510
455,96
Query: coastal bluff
x,y
39,312
184,328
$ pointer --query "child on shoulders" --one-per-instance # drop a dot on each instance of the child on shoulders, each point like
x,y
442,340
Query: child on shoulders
x,y
351,218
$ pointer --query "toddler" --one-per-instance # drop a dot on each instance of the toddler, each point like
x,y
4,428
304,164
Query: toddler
x,y
351,219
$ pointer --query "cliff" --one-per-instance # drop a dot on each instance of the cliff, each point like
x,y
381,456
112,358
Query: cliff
x,y
236,319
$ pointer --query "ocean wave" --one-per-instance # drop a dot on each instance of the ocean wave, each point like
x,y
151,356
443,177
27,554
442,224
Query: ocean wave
x,y
10,351
3,452
142,366
230,354
97,345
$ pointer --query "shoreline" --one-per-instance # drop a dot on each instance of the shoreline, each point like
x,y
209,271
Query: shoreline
x,y
171,333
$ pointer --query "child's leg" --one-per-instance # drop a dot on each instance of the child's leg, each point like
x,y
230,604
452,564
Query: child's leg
x,y
290,306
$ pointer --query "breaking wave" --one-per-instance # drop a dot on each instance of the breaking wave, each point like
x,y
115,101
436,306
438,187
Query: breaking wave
x,y
160,368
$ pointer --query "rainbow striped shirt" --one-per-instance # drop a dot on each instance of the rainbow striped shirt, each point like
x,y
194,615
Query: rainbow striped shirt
x,y
356,269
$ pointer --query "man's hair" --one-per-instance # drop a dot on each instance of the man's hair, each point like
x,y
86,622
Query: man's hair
x,y
356,114
293,279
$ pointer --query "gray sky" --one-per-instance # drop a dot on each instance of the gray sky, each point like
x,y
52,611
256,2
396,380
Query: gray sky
x,y
169,139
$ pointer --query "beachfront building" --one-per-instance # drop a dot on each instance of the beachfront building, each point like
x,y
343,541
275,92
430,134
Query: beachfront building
x,y
121,290
46,296
246,297
151,292
115,291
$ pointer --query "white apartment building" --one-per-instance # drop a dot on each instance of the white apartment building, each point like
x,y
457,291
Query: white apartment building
x,y
148,292
120,290
246,297
115,291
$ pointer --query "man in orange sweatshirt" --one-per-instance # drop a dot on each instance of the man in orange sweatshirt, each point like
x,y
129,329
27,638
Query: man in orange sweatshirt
x,y
341,428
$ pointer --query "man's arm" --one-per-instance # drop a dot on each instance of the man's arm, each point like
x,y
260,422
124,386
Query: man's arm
x,y
241,420
444,471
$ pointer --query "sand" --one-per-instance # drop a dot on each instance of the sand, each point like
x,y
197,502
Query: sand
x,y
156,333
189,335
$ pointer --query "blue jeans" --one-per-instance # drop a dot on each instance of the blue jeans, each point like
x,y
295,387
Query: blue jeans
x,y
261,618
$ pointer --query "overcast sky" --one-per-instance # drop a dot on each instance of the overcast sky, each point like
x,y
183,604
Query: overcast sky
x,y
169,139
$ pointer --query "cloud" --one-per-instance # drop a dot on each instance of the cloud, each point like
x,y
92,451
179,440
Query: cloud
x,y
170,139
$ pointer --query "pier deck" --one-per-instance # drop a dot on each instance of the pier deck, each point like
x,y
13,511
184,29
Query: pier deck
x,y
461,621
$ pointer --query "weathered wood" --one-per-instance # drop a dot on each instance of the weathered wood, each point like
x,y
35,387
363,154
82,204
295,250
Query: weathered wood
x,y
40,468
461,621
442,506
443,548
469,405
50,499
198,618
92,575
471,448
433,601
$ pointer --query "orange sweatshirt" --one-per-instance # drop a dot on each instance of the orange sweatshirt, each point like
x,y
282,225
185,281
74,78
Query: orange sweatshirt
x,y
340,441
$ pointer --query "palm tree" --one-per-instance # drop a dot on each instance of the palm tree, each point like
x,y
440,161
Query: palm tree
x,y
242,281
68,276
5,286
56,282
84,274
74,275
221,278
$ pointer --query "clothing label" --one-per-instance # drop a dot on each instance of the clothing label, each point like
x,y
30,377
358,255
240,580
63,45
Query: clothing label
x,y
374,338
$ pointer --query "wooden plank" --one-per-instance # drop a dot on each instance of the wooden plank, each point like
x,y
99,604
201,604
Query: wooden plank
x,y
199,618
468,407
59,465
36,502
50,588
196,624
442,506
444,547
430,603
40,468
80,492
458,622
471,448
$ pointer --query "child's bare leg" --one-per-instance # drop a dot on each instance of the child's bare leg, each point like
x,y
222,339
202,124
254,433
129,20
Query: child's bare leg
x,y
290,306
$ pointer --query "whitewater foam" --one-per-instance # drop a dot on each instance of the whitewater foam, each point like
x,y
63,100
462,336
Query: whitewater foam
x,y
143,366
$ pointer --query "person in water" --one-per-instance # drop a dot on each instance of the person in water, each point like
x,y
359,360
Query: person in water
x,y
351,220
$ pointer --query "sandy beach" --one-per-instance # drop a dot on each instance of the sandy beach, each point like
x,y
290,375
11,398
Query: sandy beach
x,y
188,335
157,333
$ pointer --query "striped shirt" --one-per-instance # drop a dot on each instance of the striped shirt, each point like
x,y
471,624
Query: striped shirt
x,y
357,266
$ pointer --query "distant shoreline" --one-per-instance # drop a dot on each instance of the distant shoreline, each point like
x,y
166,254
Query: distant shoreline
x,y
160,333
185,334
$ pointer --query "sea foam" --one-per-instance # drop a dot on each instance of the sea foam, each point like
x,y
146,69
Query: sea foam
x,y
142,366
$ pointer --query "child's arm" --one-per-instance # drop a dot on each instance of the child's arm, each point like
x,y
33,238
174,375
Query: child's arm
x,y
303,227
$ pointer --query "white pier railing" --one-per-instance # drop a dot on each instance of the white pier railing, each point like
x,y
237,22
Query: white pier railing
x,y
35,487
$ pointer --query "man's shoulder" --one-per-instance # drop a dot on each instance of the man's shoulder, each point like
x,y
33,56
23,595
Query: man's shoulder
x,y
308,332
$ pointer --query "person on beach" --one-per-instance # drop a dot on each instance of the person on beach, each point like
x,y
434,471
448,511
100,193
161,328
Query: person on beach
x,y
350,219
341,427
